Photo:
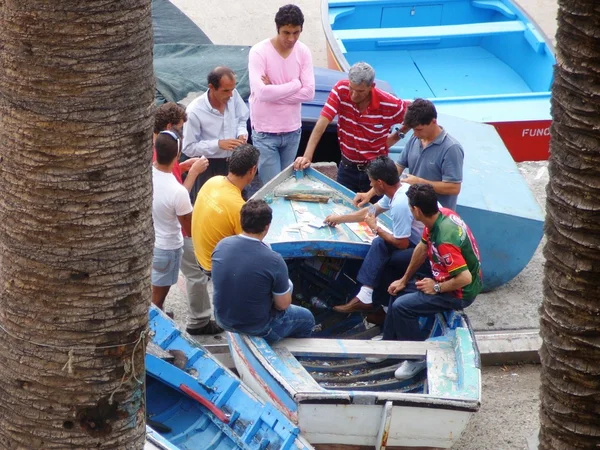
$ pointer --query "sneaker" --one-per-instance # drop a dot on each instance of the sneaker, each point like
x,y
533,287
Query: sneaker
x,y
409,369
210,328
376,359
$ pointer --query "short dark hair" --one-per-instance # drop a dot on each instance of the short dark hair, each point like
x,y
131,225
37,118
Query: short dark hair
x,y
242,159
256,215
420,112
166,147
384,169
168,113
424,197
289,15
215,75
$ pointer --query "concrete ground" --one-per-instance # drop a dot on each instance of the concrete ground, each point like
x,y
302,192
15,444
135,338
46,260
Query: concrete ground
x,y
508,416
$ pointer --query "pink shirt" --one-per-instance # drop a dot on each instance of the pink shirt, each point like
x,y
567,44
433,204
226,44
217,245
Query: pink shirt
x,y
275,108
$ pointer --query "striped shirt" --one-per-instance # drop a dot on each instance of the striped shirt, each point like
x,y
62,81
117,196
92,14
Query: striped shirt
x,y
363,136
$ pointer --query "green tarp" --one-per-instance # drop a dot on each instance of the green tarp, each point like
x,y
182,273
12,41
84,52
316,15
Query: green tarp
x,y
184,55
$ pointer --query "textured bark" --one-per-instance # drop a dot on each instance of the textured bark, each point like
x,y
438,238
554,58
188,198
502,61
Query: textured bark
x,y
76,104
570,314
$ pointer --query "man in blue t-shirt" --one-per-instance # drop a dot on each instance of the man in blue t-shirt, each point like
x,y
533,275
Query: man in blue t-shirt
x,y
431,155
252,291
388,250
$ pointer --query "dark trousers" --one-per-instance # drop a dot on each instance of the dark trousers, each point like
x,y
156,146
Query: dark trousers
x,y
385,263
351,177
402,318
216,166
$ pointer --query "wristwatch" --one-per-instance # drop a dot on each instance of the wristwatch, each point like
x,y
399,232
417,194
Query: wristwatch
x,y
437,288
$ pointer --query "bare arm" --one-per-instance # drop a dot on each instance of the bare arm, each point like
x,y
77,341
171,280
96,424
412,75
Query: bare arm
x,y
186,223
440,187
418,258
199,166
281,302
302,162
453,284
364,197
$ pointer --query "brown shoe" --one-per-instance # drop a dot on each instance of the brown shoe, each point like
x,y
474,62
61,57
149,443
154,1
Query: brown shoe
x,y
377,317
354,305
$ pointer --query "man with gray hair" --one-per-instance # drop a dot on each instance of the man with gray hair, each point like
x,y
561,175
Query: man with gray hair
x,y
365,117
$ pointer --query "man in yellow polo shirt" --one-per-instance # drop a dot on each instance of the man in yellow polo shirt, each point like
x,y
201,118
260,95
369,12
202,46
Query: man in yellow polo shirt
x,y
217,209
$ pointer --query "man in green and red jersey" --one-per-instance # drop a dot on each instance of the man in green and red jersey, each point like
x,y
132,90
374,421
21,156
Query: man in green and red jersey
x,y
454,257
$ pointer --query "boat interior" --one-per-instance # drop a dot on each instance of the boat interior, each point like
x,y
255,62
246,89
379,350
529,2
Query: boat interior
x,y
444,49
323,282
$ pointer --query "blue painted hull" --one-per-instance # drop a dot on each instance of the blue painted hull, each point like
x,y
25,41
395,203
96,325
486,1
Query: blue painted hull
x,y
203,405
481,60
495,202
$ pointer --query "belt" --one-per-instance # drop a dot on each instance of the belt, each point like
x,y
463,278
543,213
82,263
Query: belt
x,y
361,167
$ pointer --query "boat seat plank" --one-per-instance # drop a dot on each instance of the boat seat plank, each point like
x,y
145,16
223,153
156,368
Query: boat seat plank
x,y
442,375
431,32
345,348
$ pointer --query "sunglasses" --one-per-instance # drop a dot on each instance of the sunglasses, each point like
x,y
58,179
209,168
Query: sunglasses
x,y
174,136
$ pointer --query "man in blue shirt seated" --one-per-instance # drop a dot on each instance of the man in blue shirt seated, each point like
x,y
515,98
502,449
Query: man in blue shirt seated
x,y
391,250
252,290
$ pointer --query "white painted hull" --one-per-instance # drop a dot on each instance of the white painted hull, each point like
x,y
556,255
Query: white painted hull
x,y
360,424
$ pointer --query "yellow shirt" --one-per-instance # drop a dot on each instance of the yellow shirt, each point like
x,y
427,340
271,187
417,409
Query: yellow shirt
x,y
216,215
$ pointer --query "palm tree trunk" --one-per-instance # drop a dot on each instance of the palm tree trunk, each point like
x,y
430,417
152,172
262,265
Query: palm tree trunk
x,y
76,105
570,314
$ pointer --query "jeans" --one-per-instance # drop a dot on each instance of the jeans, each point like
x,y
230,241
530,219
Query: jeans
x,y
352,178
277,151
383,264
402,318
294,321
165,266
196,283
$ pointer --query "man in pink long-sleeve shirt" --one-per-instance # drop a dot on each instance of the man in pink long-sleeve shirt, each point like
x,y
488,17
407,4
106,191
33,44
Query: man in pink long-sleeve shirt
x,y
281,78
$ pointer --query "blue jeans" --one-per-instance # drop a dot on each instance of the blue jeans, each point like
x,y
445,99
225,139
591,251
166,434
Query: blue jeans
x,y
383,264
352,178
402,318
294,321
165,266
277,151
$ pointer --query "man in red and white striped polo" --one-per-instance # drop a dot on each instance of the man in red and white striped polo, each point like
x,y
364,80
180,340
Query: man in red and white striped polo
x,y
365,117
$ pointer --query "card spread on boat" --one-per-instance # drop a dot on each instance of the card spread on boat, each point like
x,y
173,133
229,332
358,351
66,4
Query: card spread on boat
x,y
317,223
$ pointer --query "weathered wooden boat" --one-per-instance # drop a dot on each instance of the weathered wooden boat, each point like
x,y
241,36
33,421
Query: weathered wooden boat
x,y
193,402
482,60
327,376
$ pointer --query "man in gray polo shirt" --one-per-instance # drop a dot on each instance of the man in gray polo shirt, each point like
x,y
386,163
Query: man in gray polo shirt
x,y
431,155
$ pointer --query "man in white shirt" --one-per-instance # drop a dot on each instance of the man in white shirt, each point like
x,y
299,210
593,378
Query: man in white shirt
x,y
216,125
171,211
388,250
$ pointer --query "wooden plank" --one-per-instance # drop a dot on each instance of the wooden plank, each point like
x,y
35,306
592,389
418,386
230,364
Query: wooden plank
x,y
345,348
155,350
509,346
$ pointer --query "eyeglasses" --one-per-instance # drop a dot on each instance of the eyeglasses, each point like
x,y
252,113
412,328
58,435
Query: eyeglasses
x,y
174,136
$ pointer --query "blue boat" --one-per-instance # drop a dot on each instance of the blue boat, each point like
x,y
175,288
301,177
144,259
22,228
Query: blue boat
x,y
194,403
481,60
